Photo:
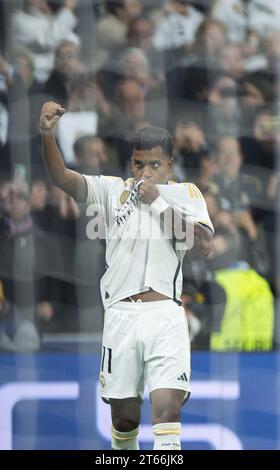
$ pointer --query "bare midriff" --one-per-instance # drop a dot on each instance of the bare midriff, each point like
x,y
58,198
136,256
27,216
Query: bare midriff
x,y
150,296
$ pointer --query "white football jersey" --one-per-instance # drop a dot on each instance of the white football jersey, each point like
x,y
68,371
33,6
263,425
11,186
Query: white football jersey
x,y
232,13
264,16
141,251
261,16
177,30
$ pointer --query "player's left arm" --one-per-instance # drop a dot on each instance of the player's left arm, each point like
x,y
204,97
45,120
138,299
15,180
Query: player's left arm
x,y
203,238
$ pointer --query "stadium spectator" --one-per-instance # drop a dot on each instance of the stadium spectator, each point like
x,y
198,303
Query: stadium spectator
x,y
112,28
248,24
4,127
257,90
224,111
263,17
14,131
134,64
76,88
39,195
21,248
140,33
58,221
239,194
260,147
190,147
232,13
23,62
178,26
231,60
204,304
17,333
39,29
210,39
272,49
236,190
131,113
67,69
90,154
244,326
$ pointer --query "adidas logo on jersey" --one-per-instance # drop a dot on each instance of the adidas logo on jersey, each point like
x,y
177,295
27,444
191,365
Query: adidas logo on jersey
x,y
183,378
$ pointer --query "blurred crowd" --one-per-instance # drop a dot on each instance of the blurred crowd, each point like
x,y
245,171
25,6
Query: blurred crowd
x,y
208,71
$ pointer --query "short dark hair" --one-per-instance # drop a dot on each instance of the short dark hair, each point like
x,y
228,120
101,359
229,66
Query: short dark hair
x,y
148,138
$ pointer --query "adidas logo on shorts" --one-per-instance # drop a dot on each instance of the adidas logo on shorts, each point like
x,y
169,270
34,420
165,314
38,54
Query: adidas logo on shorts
x,y
183,378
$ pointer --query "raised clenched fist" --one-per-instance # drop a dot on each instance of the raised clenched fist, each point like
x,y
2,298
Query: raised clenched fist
x,y
50,114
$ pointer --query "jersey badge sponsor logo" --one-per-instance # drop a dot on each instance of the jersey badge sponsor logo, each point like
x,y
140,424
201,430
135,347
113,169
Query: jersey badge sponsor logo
x,y
124,196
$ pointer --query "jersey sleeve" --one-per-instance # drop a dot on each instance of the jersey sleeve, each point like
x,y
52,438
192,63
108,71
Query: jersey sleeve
x,y
98,188
199,205
187,200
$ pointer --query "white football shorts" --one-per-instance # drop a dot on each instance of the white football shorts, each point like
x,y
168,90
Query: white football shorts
x,y
144,343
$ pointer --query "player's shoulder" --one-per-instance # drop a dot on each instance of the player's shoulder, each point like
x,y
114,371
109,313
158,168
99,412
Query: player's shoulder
x,y
111,178
110,181
192,190
104,182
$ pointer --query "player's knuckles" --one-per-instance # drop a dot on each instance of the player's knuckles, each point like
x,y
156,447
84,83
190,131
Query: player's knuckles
x,y
47,105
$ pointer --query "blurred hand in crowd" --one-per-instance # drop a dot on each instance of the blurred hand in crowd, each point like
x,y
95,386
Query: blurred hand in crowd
x,y
94,97
244,220
224,219
44,311
232,60
220,245
66,206
189,137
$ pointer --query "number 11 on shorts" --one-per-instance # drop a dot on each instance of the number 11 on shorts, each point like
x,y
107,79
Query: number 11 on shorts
x,y
109,364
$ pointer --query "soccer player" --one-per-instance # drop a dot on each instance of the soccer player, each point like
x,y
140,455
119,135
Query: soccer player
x,y
145,337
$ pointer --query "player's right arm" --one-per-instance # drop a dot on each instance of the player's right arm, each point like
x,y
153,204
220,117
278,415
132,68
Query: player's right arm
x,y
68,180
